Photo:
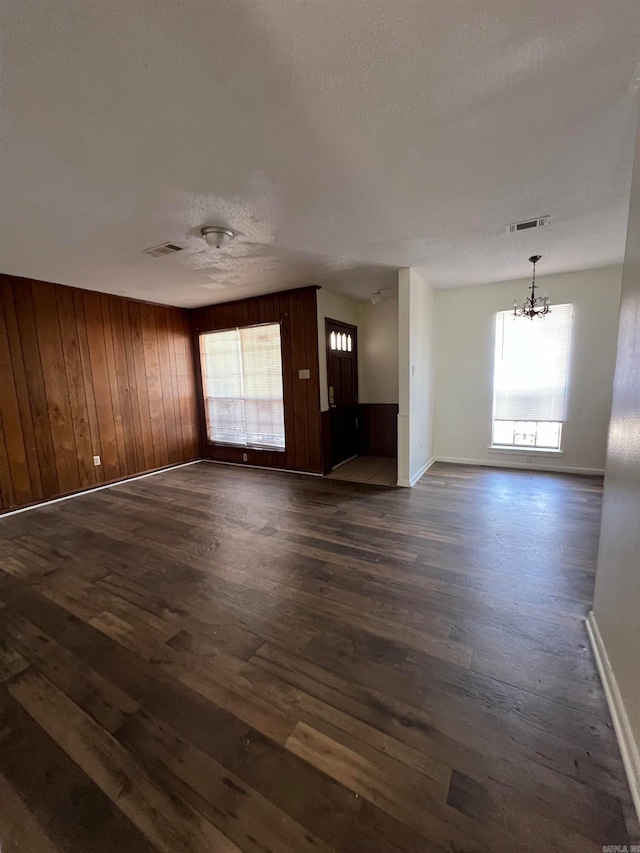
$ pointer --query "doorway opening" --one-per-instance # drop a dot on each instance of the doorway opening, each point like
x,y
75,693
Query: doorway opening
x,y
342,379
355,433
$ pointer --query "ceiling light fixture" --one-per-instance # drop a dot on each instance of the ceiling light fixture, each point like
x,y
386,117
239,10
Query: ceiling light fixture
x,y
533,306
376,297
217,236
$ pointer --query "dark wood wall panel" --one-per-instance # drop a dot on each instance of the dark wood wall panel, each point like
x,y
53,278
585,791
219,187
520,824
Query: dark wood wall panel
x,y
378,429
325,432
85,374
296,311
22,428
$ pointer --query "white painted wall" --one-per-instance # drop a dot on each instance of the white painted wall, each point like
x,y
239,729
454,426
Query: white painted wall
x,y
416,333
335,306
617,597
465,340
378,352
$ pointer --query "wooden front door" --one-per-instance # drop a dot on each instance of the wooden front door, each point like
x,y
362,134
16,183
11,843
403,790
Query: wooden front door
x,y
342,379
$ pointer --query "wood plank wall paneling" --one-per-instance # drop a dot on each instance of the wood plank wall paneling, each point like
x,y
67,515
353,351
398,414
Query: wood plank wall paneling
x,y
378,429
296,310
86,374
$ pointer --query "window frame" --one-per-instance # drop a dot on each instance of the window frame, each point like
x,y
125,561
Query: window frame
x,y
531,448
527,447
244,448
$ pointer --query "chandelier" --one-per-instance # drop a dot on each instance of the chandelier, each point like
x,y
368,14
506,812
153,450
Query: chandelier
x,y
533,306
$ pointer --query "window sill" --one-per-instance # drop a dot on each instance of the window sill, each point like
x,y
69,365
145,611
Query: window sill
x,y
246,448
530,451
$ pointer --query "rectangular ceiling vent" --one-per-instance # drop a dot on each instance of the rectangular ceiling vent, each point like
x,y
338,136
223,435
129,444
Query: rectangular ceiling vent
x,y
529,223
163,249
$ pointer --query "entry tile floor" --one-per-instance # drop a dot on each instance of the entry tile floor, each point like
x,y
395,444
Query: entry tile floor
x,y
377,470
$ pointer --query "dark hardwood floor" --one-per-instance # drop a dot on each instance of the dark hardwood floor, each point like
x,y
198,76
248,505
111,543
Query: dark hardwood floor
x,y
217,659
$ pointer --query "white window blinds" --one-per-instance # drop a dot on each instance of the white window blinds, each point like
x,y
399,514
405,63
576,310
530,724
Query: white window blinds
x,y
242,386
531,366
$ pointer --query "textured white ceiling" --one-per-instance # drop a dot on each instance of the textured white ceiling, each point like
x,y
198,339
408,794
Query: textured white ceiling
x,y
342,139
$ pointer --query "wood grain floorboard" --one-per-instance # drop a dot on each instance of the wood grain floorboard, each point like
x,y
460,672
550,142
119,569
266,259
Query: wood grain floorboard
x,y
18,828
220,658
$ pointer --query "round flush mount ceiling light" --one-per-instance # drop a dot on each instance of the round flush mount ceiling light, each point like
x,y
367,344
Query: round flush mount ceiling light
x,y
217,236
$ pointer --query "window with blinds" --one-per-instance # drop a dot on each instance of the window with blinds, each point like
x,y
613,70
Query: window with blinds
x,y
530,378
242,386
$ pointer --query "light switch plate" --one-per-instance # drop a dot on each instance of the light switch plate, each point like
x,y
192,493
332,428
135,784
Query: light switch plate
x,y
304,374
96,461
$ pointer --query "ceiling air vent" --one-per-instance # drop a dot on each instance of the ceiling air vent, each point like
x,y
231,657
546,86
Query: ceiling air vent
x,y
163,249
529,223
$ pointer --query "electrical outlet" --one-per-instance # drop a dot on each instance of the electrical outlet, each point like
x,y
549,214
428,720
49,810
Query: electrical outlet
x,y
245,457
96,461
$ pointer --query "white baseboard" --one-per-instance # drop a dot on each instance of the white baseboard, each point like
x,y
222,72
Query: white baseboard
x,y
408,484
626,740
124,480
262,468
422,471
521,466
88,491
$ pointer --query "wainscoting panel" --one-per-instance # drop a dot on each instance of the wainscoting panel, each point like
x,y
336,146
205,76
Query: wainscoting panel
x,y
378,429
